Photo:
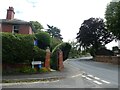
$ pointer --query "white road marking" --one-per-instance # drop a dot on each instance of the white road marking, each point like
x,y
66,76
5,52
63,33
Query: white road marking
x,y
90,75
105,81
88,78
97,82
56,81
22,83
76,75
97,78
83,76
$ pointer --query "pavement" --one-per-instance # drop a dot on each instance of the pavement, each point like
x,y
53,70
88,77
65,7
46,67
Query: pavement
x,y
65,73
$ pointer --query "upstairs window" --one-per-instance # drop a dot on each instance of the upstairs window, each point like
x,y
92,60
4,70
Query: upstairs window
x,y
15,28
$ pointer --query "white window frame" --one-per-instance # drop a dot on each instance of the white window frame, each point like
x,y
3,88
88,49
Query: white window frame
x,y
15,29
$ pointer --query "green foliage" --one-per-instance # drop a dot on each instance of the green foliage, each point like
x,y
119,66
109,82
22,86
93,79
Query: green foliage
x,y
39,54
104,51
43,70
112,16
54,32
65,48
43,40
93,34
37,26
17,48
26,69
54,43
74,52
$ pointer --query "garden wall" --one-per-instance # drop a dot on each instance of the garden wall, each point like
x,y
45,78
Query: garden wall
x,y
108,59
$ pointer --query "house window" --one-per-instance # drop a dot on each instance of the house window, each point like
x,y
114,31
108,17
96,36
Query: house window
x,y
15,29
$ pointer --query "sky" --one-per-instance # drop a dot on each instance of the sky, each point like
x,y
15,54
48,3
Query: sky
x,y
67,15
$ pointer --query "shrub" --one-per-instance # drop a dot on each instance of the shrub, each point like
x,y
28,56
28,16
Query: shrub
x,y
39,54
43,69
17,48
27,69
43,39
65,48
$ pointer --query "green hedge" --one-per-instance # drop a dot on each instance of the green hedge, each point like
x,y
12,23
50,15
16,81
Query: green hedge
x,y
65,47
17,48
39,54
43,39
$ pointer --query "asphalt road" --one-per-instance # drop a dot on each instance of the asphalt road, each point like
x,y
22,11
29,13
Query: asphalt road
x,y
101,71
79,74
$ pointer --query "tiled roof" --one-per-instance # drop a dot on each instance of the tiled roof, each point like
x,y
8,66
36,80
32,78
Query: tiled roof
x,y
16,21
13,21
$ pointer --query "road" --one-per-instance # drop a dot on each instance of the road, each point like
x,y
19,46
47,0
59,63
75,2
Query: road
x,y
79,74
106,72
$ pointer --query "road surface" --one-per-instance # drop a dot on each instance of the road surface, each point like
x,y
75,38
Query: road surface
x,y
79,74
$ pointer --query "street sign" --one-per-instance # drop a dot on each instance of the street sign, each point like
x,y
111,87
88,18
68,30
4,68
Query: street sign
x,y
36,62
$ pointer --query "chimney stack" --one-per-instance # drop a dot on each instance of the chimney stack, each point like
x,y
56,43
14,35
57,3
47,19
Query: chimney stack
x,y
10,13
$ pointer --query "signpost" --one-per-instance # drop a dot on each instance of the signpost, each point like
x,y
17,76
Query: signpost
x,y
36,63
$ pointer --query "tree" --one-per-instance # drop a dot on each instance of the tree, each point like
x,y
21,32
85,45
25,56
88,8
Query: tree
x,y
37,26
54,32
112,16
93,34
54,42
74,52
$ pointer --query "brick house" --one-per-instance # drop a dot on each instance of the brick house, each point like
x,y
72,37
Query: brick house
x,y
15,25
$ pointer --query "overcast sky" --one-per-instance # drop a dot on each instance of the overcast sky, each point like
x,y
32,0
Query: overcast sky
x,y
67,15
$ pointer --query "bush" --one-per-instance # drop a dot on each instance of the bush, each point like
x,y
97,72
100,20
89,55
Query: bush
x,y
54,43
65,48
43,39
27,69
39,54
44,69
17,48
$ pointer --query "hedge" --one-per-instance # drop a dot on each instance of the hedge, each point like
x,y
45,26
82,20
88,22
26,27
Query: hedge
x,y
39,54
43,39
65,48
17,48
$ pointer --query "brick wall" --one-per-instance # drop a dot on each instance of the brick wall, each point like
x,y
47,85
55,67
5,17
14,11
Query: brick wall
x,y
6,28
23,29
108,59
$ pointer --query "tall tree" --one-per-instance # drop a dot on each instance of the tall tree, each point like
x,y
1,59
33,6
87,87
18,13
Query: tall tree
x,y
54,32
112,16
37,26
93,34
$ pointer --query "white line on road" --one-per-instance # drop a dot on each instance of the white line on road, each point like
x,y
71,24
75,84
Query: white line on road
x,y
97,78
22,83
105,81
90,75
83,76
88,78
97,82
76,75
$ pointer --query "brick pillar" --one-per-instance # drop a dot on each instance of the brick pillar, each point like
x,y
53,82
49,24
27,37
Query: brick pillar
x,y
60,61
47,58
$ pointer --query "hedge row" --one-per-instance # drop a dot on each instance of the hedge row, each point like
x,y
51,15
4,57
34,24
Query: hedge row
x,y
17,48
